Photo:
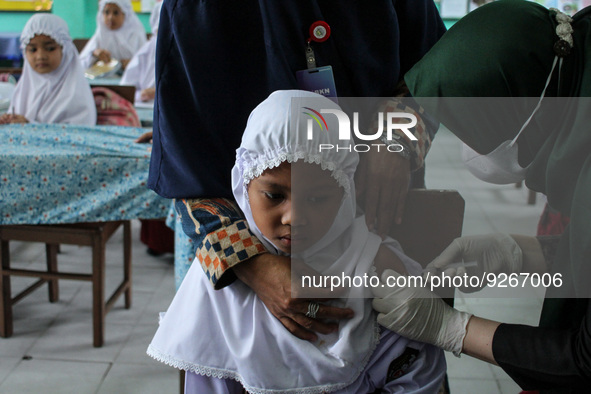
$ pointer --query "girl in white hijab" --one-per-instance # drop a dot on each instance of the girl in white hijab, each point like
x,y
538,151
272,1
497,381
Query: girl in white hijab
x,y
226,339
52,88
141,70
119,34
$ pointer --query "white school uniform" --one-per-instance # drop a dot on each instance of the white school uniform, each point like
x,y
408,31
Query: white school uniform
x,y
61,96
221,336
123,43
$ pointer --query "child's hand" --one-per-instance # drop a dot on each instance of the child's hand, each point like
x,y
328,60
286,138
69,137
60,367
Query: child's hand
x,y
146,137
102,54
12,118
124,63
148,94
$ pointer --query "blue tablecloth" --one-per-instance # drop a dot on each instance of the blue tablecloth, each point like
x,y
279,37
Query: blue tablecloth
x,y
184,248
53,174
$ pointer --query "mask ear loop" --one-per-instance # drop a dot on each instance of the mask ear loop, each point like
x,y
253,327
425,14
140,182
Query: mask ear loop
x,y
541,98
562,48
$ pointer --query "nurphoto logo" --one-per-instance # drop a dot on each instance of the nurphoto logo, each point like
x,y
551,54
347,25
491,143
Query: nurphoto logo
x,y
392,122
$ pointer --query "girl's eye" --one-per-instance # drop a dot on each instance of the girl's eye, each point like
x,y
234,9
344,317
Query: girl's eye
x,y
51,48
31,49
274,196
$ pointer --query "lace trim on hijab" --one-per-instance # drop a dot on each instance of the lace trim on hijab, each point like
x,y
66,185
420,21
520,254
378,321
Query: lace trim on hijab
x,y
61,39
254,169
190,367
227,374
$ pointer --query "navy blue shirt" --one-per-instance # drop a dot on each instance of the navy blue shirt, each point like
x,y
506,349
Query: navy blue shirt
x,y
217,59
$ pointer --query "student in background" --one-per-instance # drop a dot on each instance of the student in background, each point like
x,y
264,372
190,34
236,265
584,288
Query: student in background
x,y
52,88
140,71
119,34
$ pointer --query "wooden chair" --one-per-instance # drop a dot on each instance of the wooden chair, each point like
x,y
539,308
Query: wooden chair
x,y
125,91
94,235
14,72
80,43
11,70
531,195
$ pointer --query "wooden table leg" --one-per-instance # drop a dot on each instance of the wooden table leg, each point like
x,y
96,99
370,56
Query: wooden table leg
x,y
5,293
98,290
182,382
51,251
127,261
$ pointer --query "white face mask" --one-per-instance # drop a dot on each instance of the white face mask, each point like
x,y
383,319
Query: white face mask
x,y
499,166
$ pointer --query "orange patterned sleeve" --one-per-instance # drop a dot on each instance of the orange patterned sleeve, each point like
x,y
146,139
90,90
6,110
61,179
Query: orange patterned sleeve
x,y
221,234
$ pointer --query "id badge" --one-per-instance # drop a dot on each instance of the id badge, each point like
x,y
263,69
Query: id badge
x,y
318,80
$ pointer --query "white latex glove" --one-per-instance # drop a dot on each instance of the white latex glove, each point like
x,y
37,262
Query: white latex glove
x,y
492,253
418,314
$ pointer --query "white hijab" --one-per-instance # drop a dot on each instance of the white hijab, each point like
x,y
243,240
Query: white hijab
x,y
123,43
229,333
141,70
61,96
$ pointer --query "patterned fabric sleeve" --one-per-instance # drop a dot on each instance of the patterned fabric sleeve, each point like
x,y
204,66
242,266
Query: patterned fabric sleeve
x,y
221,234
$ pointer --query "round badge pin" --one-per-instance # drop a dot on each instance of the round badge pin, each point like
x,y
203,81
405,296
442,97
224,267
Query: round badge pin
x,y
319,31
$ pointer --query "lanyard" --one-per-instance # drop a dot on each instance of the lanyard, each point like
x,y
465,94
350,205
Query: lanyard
x,y
319,32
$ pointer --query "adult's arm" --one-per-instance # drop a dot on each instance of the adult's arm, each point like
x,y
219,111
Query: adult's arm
x,y
536,358
544,358
221,234
227,249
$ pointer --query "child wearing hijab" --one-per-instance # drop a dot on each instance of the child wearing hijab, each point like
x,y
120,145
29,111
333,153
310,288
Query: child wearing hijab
x,y
52,88
140,71
119,34
301,203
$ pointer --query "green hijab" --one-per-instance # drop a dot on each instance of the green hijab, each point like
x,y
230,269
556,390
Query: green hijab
x,y
500,56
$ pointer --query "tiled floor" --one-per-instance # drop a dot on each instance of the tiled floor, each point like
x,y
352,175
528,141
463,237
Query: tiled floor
x,y
51,349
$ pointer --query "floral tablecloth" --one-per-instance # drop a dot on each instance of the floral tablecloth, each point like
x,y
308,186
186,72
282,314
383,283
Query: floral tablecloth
x,y
65,174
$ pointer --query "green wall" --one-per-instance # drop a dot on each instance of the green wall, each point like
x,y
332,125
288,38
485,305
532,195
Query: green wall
x,y
79,14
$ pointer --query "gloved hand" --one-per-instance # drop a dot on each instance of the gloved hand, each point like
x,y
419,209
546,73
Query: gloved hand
x,y
492,253
418,314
